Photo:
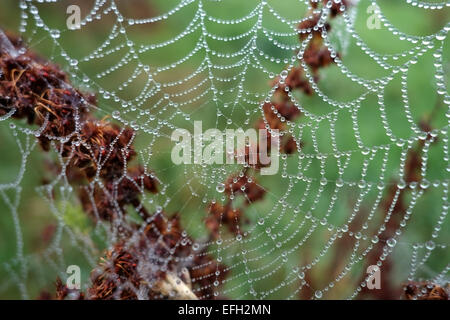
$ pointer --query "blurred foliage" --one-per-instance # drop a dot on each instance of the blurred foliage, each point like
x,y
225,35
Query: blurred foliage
x,y
35,214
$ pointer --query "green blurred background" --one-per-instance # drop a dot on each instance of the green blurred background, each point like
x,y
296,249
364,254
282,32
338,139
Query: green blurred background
x,y
48,258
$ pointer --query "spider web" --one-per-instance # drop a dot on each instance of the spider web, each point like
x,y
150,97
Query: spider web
x,y
215,61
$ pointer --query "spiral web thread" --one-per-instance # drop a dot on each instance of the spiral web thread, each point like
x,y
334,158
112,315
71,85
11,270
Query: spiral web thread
x,y
174,94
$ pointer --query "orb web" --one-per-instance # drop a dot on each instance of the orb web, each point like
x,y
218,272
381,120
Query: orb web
x,y
366,175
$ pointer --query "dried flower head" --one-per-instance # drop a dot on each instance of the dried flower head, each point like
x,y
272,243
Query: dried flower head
x,y
426,291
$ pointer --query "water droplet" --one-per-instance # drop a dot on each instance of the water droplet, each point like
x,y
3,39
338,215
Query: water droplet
x,y
430,245
339,182
220,188
361,184
116,114
375,239
380,185
401,184
424,184
391,242
55,34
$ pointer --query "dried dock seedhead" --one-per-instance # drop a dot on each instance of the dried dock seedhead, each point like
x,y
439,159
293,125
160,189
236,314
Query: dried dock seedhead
x,y
426,291
157,263
245,185
225,215
148,265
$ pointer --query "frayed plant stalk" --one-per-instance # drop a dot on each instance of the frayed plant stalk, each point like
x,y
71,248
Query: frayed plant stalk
x,y
173,287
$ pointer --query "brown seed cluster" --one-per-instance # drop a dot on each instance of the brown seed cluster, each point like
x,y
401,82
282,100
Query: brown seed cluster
x,y
41,93
62,293
316,57
426,291
244,185
225,215
230,215
136,267
335,7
